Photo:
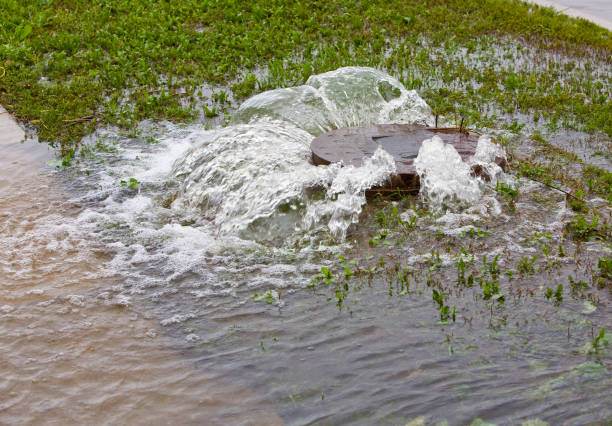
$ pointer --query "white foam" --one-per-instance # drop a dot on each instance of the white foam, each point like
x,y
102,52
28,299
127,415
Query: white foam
x,y
446,180
346,194
177,319
486,155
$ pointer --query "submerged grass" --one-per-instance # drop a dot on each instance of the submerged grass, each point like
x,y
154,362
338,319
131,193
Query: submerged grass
x,y
71,66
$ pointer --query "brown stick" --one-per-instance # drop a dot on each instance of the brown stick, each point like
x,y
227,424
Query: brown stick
x,y
78,120
555,187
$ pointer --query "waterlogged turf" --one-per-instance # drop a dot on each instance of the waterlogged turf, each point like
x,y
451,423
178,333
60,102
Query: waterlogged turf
x,y
475,300
69,66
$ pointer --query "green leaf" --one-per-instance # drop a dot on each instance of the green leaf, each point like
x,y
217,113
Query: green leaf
x,y
24,32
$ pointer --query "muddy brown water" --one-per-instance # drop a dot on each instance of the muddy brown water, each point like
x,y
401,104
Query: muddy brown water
x,y
69,358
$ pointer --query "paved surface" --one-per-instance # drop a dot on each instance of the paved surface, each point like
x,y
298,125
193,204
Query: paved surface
x,y
597,11
599,8
10,132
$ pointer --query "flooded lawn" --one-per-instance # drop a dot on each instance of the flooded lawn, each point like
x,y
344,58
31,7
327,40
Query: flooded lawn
x,y
217,276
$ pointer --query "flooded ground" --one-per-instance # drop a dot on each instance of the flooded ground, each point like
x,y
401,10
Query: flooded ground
x,y
217,276
70,354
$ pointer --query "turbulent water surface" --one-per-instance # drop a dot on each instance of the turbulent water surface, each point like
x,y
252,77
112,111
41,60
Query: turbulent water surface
x,y
206,276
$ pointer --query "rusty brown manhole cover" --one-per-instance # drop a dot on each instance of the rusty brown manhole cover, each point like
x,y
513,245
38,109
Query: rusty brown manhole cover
x,y
354,144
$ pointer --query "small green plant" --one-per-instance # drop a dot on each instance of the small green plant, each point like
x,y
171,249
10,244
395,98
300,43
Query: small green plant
x,y
391,222
474,233
605,267
557,294
541,235
434,260
545,251
404,282
341,294
577,286
210,113
461,271
526,265
67,159
576,202
246,87
506,190
380,238
561,251
370,274
220,96
493,267
583,229
267,297
100,146
346,266
470,281
325,275
599,341
490,290
131,183
446,315
515,126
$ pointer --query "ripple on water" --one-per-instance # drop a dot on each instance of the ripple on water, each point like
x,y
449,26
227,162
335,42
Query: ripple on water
x,y
73,352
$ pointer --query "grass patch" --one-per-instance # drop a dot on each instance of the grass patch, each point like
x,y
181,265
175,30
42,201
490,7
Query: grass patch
x,y
74,65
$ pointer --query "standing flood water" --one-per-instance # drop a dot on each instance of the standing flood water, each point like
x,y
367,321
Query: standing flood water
x,y
69,353
217,276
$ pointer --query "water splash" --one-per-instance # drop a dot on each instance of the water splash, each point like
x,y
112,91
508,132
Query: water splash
x,y
346,194
254,178
449,183
487,156
256,181
346,97
446,180
243,174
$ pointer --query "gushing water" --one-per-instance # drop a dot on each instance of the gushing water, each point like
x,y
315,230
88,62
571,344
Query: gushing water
x,y
345,195
346,97
445,178
254,178
448,182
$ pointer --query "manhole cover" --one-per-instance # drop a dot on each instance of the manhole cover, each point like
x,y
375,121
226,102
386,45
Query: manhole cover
x,y
354,144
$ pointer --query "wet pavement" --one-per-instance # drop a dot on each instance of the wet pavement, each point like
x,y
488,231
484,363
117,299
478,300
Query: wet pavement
x,y
599,8
597,11
10,132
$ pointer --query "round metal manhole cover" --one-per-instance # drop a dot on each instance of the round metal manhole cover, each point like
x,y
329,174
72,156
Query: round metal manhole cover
x,y
353,145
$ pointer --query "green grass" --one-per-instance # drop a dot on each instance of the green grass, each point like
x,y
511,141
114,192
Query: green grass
x,y
71,66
